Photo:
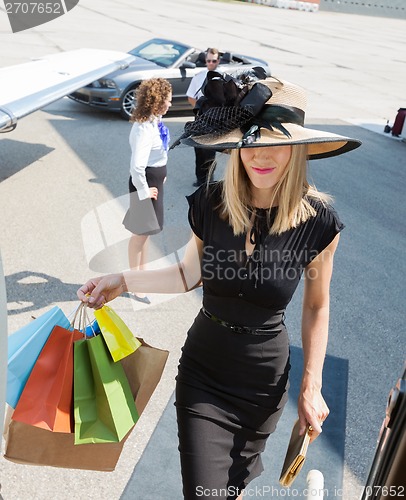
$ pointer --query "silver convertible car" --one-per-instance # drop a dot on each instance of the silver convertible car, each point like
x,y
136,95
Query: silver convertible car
x,y
175,61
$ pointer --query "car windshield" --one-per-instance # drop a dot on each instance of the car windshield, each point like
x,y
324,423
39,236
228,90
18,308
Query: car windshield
x,y
162,52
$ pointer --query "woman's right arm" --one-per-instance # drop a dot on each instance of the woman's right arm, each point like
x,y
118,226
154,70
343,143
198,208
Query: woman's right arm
x,y
177,278
141,144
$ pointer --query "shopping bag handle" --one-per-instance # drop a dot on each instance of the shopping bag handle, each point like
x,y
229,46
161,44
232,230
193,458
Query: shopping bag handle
x,y
81,318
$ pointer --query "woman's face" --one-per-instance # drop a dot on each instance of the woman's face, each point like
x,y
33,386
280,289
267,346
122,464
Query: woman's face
x,y
265,166
167,104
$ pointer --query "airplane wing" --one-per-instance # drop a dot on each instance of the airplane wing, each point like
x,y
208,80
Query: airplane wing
x,y
27,87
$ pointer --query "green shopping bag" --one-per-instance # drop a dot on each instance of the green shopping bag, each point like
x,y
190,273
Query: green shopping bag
x,y
119,339
104,408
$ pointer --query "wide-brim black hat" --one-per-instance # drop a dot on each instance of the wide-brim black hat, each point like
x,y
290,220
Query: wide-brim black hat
x,y
271,113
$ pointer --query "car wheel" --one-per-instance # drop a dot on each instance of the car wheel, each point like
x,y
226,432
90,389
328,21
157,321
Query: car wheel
x,y
127,103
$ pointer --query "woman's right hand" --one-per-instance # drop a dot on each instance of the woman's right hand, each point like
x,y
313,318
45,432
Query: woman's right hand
x,y
153,193
97,291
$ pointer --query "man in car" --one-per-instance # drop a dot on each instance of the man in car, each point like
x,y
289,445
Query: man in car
x,y
205,158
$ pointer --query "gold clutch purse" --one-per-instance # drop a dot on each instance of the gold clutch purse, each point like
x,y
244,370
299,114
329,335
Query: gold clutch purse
x,y
295,456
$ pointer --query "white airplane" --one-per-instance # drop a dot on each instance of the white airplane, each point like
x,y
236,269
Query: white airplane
x,y
27,87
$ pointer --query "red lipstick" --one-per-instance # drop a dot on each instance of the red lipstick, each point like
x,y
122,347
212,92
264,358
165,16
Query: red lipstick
x,y
262,171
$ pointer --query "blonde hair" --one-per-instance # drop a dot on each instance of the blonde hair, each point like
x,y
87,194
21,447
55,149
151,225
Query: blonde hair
x,y
292,193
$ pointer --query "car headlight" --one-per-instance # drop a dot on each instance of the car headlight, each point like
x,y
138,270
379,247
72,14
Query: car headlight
x,y
104,83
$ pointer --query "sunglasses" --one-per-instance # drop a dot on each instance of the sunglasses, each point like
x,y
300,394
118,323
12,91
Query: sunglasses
x,y
212,60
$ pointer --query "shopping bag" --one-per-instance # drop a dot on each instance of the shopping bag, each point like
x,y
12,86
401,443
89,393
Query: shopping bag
x,y
92,329
104,408
47,398
29,445
144,369
119,339
24,347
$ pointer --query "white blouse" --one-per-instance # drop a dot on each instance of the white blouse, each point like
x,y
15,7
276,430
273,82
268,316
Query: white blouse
x,y
147,150
196,84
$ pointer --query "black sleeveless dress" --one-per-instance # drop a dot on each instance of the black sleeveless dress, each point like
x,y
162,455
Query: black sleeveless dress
x,y
232,387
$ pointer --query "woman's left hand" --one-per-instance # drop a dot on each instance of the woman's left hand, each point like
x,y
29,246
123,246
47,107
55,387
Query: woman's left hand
x,y
312,410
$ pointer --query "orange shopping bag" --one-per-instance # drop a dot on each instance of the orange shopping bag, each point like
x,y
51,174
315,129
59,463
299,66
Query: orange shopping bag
x,y
47,399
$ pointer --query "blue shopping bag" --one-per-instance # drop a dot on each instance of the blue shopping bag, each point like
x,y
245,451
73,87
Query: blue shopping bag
x,y
92,329
24,347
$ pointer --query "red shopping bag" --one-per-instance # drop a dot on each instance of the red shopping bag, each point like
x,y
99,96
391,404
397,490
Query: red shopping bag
x,y
47,399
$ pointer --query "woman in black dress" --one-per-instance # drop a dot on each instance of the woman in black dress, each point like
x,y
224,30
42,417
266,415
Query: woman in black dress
x,y
254,235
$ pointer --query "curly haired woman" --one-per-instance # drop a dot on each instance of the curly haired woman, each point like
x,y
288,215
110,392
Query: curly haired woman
x,y
149,140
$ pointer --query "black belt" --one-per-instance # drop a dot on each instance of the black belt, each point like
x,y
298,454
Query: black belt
x,y
263,330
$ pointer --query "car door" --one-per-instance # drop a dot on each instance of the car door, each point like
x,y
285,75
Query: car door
x,y
179,76
387,475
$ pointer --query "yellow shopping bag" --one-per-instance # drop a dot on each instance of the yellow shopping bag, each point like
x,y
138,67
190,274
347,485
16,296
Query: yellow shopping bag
x,y
118,337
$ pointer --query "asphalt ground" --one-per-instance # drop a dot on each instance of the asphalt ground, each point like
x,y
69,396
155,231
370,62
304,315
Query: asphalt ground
x,y
65,163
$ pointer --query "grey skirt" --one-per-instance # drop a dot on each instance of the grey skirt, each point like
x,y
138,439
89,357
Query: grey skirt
x,y
146,217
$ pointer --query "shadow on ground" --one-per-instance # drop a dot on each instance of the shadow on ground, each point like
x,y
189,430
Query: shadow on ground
x,y
16,155
29,291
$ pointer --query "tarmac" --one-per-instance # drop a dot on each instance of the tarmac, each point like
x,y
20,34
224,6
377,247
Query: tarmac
x,y
67,166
